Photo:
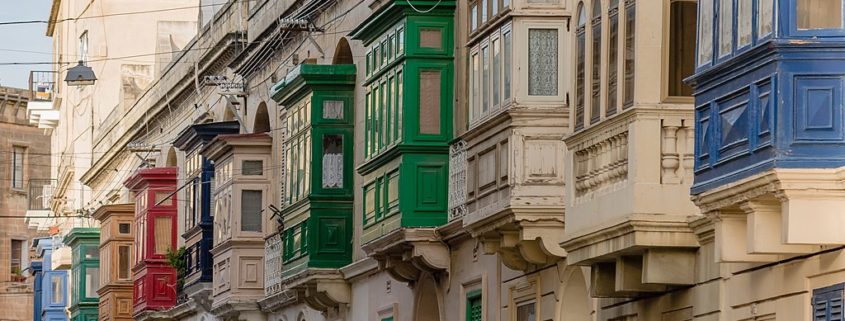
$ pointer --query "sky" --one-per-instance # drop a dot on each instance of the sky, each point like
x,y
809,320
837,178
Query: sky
x,y
24,42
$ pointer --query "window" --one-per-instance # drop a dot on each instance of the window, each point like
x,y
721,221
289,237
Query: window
x,y
765,15
123,228
595,54
630,32
705,32
16,263
332,161
92,281
744,11
474,306
123,262
83,47
163,237
612,56
17,166
252,168
507,46
251,205
474,18
827,303
819,14
580,72
681,46
497,72
333,109
430,102
294,242
725,29
526,312
92,253
297,151
475,87
56,289
485,78
542,62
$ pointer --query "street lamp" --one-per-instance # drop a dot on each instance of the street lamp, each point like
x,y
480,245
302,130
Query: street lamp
x,y
80,75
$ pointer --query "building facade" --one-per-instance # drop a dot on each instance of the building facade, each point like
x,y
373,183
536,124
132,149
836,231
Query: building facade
x,y
24,172
524,160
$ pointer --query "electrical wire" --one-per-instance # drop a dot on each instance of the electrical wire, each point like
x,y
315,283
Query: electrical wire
x,y
117,14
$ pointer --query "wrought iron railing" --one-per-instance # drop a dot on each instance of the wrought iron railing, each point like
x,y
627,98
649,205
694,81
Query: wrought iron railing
x,y
457,180
273,265
40,194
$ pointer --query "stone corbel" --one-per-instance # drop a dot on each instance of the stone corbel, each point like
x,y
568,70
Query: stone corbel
x,y
325,295
766,230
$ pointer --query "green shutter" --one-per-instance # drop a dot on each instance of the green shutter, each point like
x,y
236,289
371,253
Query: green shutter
x,y
474,306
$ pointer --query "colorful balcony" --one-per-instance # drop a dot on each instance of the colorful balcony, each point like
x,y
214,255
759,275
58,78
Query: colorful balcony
x,y
317,207
54,299
85,269
198,173
769,162
630,161
154,280
241,198
409,90
116,237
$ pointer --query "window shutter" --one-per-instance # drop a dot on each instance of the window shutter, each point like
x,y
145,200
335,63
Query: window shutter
x,y
827,303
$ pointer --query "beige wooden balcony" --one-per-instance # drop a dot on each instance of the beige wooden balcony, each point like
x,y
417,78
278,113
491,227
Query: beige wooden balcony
x,y
628,201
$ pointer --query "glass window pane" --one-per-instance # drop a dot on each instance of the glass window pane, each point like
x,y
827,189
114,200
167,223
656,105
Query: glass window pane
x,y
630,34
705,32
56,289
17,167
251,203
819,14
507,46
123,228
612,58
333,109
580,74
485,79
474,98
431,38
474,18
252,168
92,281
92,253
430,102
542,62
765,15
595,72
123,262
163,234
526,312
743,25
726,10
681,47
497,69
332,161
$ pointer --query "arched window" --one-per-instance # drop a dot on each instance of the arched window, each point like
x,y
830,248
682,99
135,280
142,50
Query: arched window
x,y
630,31
262,119
580,67
595,65
612,56
342,53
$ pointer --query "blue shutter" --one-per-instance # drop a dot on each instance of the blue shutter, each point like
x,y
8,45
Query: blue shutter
x,y
827,303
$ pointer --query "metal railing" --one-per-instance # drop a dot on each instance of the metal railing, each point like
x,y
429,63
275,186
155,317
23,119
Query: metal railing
x,y
40,194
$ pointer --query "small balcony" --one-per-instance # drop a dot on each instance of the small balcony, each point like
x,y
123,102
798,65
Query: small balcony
x,y
40,109
39,196
628,204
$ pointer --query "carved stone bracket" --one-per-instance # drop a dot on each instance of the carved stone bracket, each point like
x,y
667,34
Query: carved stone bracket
x,y
523,239
406,253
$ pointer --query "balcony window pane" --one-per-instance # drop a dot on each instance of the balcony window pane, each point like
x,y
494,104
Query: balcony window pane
x,y
92,253
595,72
630,33
507,47
332,161
612,56
526,312
17,167
56,289
580,69
681,47
497,70
726,13
430,102
485,79
705,32
251,203
123,228
474,99
92,281
252,168
333,109
765,14
123,262
431,38
819,14
542,62
743,25
163,234
474,17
